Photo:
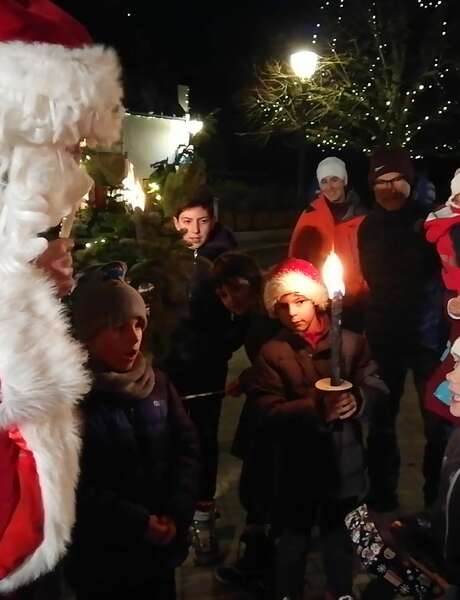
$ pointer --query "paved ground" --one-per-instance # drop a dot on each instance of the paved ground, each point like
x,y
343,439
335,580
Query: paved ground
x,y
198,583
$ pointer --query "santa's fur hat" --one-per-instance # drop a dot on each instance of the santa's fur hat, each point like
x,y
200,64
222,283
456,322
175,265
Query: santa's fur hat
x,y
294,276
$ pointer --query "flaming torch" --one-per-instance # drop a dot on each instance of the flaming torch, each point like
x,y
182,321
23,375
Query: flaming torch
x,y
333,279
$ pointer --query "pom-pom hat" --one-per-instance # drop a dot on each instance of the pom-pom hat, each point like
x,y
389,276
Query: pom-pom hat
x,y
294,276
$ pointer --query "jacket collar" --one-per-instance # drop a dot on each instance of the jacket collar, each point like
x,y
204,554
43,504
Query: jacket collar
x,y
355,207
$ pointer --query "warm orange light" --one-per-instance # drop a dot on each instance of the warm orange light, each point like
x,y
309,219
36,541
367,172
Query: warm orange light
x,y
132,189
333,275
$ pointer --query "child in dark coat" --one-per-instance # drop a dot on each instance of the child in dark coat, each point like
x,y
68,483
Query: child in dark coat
x,y
238,281
139,464
319,456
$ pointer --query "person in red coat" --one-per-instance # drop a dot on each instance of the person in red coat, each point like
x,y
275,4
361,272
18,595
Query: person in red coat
x,y
331,223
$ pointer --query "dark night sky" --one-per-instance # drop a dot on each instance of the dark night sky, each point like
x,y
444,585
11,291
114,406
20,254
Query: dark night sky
x,y
212,47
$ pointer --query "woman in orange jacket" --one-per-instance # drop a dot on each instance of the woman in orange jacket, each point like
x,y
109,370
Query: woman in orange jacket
x,y
331,222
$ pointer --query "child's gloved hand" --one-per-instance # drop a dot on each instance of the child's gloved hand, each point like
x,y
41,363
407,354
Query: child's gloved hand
x,y
161,530
339,405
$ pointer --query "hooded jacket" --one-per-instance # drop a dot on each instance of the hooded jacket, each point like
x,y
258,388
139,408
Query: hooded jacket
x,y
317,233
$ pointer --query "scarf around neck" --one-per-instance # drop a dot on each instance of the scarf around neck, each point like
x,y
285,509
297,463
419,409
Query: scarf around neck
x,y
136,383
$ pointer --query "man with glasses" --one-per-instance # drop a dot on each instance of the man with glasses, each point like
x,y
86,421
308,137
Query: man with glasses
x,y
403,321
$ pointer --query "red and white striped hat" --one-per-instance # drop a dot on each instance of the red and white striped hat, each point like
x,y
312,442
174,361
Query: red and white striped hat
x,y
294,276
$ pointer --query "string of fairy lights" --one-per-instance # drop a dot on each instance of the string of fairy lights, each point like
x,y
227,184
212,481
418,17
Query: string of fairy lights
x,y
423,105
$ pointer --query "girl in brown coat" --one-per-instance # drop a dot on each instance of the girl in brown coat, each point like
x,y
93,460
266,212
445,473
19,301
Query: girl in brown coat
x,y
320,472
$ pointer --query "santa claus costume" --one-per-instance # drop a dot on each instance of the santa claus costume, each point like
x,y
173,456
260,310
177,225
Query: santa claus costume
x,y
56,88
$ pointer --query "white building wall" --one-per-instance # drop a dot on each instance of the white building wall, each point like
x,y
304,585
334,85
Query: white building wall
x,y
148,139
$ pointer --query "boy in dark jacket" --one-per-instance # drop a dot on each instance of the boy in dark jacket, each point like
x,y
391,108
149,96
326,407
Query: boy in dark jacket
x,y
139,463
319,457
200,348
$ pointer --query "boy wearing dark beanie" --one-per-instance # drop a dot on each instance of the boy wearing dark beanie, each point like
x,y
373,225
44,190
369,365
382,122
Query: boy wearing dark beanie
x,y
139,463
403,322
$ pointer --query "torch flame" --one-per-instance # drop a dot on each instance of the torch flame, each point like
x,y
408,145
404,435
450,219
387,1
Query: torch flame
x,y
333,275
133,192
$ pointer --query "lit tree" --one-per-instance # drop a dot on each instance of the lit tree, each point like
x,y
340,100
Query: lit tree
x,y
387,75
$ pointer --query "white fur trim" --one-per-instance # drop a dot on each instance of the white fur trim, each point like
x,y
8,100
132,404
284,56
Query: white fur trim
x,y
52,94
44,185
455,185
445,212
42,377
294,282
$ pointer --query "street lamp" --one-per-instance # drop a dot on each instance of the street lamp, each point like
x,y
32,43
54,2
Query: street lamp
x,y
304,64
194,126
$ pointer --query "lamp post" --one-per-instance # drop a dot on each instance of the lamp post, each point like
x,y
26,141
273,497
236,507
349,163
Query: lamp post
x,y
303,64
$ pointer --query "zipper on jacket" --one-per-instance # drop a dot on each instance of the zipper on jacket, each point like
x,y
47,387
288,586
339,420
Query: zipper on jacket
x,y
195,266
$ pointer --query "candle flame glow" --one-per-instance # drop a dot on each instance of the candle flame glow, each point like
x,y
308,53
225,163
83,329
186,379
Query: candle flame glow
x,y
132,189
333,275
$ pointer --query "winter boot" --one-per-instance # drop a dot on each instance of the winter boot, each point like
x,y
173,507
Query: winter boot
x,y
252,564
204,538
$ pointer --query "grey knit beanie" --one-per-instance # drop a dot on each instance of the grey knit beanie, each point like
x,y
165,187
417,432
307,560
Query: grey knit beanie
x,y
102,299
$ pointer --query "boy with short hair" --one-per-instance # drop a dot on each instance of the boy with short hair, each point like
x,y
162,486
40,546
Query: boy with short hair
x,y
139,462
319,455
200,347
196,220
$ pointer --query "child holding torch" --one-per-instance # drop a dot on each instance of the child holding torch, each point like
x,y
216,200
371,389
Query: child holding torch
x,y
316,435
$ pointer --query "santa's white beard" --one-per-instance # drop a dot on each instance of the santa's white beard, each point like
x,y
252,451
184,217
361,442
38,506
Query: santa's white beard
x,y
43,184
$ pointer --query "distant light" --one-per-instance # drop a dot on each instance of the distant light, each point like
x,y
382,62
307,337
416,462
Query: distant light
x,y
304,63
194,126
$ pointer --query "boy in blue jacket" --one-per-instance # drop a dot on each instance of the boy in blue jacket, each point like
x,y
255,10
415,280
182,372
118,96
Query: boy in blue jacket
x,y
139,464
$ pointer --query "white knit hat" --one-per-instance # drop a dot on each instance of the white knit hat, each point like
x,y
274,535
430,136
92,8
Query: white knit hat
x,y
294,276
332,167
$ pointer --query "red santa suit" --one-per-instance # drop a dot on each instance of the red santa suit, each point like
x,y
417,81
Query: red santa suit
x,y
55,89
